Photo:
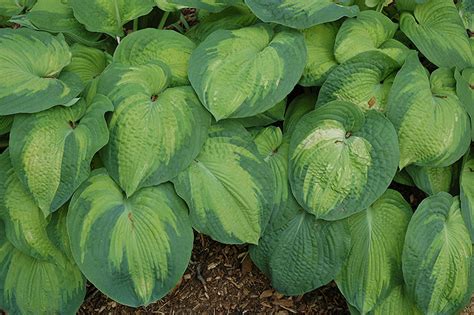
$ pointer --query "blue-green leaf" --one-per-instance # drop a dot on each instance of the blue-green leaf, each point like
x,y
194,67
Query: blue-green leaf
x,y
109,16
30,286
133,249
301,14
437,256
467,191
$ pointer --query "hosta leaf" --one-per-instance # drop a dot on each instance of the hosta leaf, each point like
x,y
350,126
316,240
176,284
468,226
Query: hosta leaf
x,y
88,63
168,47
466,11
33,62
208,5
467,192
241,73
364,80
14,7
402,177
109,16
437,30
25,225
341,160
56,16
52,150
431,180
398,301
301,14
228,187
465,92
431,122
31,286
321,61
408,5
133,249
155,131
5,124
374,265
299,106
437,256
274,149
231,18
274,114
294,235
300,253
370,30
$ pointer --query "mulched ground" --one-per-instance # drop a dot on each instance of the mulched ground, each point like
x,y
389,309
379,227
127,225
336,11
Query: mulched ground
x,y
222,279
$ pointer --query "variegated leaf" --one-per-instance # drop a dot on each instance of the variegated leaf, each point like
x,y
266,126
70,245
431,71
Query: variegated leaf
x,y
133,249
341,160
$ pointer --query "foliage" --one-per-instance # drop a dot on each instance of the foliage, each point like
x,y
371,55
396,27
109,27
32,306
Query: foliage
x,y
287,125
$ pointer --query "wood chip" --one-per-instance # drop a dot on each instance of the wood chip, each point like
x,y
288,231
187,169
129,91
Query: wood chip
x,y
266,294
213,265
246,265
278,295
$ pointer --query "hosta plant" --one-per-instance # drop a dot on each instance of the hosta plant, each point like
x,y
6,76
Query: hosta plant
x,y
334,138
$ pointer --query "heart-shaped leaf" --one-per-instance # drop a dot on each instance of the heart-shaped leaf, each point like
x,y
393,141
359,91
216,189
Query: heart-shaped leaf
x,y
364,80
374,265
341,160
133,249
168,47
241,73
51,151
155,131
437,256
370,30
228,187
316,249
432,25
33,62
432,124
